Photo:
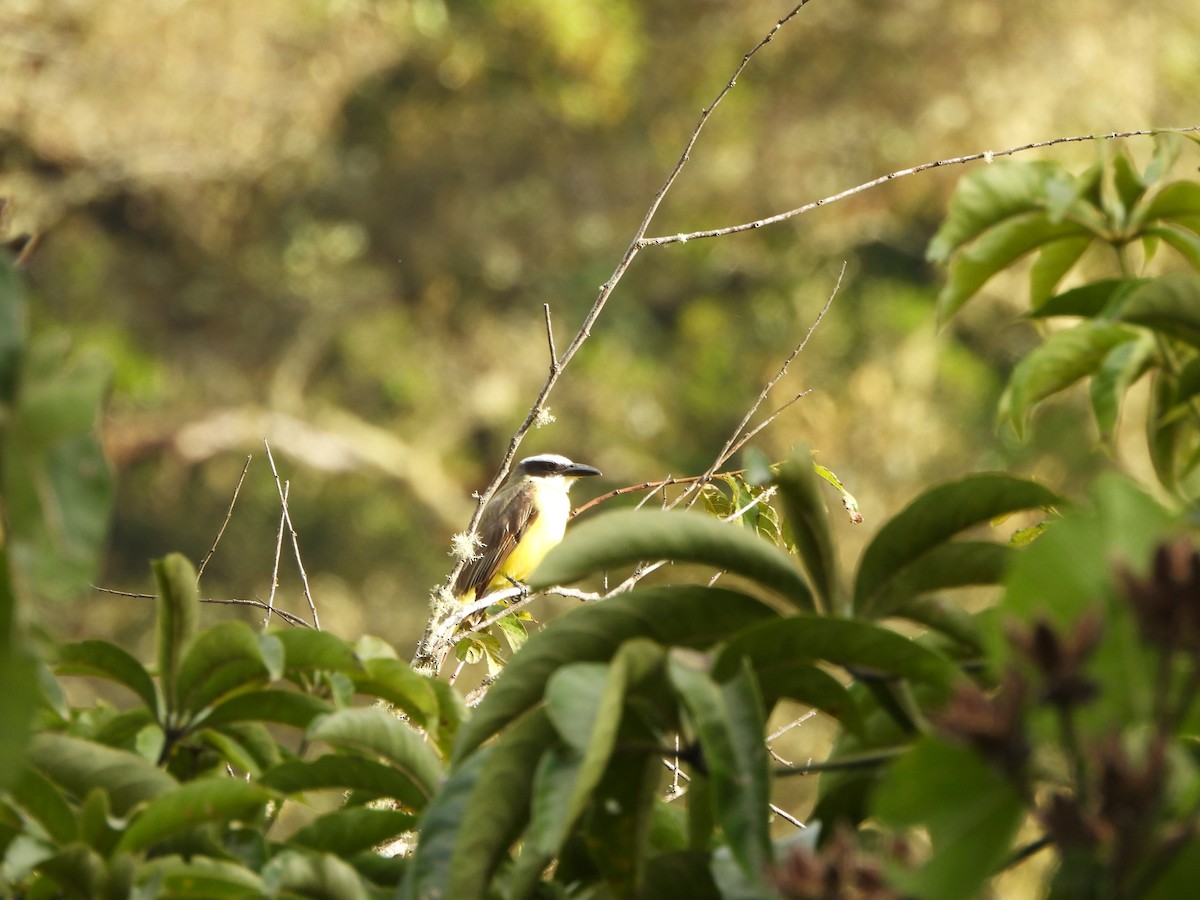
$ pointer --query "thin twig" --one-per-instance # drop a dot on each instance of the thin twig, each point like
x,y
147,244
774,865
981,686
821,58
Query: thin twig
x,y
550,338
226,601
228,516
988,155
278,556
690,495
312,606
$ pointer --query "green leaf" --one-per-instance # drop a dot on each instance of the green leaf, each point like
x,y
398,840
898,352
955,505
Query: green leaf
x,y
54,477
1060,361
221,661
344,773
809,684
307,651
199,878
986,197
13,334
1089,301
971,811
1175,200
934,518
1068,572
1185,241
944,617
843,642
178,608
1123,365
728,720
19,673
479,814
346,832
1169,304
626,537
951,565
585,702
672,616
378,732
809,524
105,660
303,874
1053,261
626,823
78,766
189,805
42,800
999,248
284,707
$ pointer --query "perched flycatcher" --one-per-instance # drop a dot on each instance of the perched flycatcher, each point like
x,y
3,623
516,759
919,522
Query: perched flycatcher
x,y
522,521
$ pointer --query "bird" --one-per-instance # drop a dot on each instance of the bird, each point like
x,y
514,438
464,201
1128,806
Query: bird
x,y
524,519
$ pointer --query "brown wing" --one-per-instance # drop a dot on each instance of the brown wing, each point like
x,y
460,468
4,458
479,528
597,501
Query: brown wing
x,y
504,521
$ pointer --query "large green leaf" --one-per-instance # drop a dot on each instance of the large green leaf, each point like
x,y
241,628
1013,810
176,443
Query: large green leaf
x,y
189,805
727,718
673,616
935,517
972,814
106,660
1057,363
376,731
224,660
626,537
843,642
78,766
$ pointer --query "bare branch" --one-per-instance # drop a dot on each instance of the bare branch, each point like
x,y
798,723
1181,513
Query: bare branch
x,y
987,155
228,516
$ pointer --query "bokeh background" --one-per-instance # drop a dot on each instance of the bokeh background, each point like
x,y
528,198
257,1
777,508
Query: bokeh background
x,y
333,224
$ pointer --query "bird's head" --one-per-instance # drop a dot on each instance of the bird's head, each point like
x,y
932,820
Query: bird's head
x,y
552,468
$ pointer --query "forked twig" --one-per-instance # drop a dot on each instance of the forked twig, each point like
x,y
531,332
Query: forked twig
x,y
312,606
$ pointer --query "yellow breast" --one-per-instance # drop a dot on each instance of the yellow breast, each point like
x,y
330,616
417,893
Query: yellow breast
x,y
546,530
